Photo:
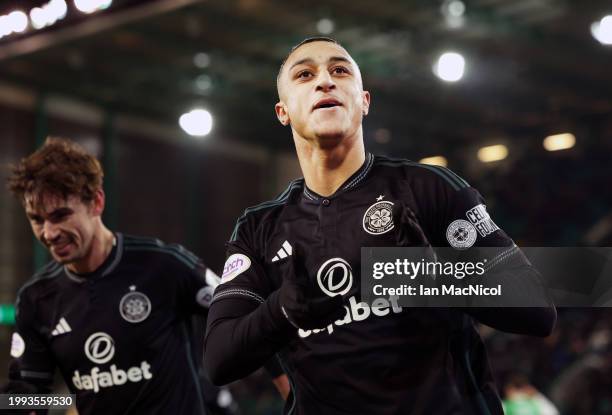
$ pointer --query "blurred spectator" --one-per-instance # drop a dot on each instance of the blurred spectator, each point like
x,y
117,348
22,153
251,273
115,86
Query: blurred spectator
x,y
521,398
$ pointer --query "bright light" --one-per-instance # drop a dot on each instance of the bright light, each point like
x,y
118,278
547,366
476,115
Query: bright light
x,y
325,26
201,60
14,22
456,8
492,153
435,161
559,142
18,20
602,30
453,8
450,67
39,18
198,122
48,14
5,27
90,6
58,8
203,83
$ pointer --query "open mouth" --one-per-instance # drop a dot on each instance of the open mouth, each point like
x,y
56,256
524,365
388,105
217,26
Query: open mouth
x,y
327,103
61,247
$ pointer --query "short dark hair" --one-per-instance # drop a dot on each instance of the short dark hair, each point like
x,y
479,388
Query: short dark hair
x,y
61,168
303,42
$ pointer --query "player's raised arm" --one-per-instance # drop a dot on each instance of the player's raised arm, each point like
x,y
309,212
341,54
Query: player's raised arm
x,y
463,223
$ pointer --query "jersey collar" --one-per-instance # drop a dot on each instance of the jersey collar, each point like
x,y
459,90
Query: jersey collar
x,y
353,181
107,266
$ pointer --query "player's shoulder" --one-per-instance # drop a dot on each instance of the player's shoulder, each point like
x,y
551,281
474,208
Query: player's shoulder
x,y
154,249
42,281
408,169
265,214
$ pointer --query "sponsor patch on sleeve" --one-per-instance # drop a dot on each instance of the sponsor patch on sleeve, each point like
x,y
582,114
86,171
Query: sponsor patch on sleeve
x,y
204,296
479,217
17,345
235,265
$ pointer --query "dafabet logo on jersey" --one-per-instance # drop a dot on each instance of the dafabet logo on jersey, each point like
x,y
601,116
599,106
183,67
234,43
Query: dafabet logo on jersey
x,y
335,277
100,349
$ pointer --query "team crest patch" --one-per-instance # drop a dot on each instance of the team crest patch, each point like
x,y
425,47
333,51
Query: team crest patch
x,y
461,234
378,219
17,345
135,306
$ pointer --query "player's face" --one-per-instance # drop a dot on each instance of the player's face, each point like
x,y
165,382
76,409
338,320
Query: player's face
x,y
321,93
65,226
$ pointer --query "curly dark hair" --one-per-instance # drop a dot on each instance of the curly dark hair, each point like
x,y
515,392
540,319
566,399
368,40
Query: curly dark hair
x,y
59,168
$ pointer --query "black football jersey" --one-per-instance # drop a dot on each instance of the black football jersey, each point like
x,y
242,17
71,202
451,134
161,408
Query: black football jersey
x,y
121,336
380,358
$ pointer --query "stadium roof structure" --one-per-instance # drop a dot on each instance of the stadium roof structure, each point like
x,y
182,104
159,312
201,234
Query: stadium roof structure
x,y
532,67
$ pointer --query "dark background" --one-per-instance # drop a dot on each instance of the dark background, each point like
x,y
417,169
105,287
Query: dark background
x,y
118,80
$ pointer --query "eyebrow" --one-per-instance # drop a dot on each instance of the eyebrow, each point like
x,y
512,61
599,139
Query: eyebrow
x,y
311,61
58,211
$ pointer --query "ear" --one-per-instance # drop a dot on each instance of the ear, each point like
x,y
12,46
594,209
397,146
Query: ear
x,y
365,96
281,113
98,203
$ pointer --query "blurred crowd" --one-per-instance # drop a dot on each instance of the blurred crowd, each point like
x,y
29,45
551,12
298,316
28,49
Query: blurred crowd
x,y
572,367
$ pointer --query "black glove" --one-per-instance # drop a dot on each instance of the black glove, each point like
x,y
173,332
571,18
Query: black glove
x,y
409,231
302,301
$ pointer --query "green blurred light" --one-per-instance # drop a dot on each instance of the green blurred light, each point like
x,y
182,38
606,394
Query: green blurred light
x,y
7,314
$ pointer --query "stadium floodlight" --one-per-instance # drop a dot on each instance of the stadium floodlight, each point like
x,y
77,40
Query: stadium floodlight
x,y
18,21
492,153
558,142
5,27
435,161
48,14
325,26
203,83
602,30
201,60
14,22
90,6
450,67
455,8
198,122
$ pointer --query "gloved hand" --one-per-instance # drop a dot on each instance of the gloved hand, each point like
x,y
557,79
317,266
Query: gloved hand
x,y
409,231
410,234
302,301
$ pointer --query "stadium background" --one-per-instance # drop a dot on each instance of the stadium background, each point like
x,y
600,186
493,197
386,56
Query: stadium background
x,y
118,79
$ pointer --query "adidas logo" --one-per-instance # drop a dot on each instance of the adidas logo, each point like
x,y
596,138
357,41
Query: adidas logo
x,y
61,328
285,251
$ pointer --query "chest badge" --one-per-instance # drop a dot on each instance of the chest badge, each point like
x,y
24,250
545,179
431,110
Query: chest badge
x,y
378,219
134,306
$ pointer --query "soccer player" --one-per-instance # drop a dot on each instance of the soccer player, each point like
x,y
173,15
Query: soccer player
x,y
290,286
113,312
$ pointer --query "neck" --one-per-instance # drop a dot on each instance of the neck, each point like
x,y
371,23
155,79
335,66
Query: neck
x,y
326,168
101,247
